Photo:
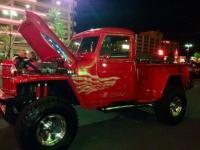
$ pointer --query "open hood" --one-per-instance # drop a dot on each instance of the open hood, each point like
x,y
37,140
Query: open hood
x,y
43,41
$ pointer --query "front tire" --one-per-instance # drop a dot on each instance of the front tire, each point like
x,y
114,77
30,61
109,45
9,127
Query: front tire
x,y
171,108
9,113
47,124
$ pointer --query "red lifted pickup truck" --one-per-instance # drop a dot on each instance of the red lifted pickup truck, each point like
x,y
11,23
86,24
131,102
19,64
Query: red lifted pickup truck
x,y
98,70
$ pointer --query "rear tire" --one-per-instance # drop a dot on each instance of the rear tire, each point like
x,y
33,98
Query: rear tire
x,y
171,108
47,124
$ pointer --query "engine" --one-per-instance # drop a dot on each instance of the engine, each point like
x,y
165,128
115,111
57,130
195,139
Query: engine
x,y
50,67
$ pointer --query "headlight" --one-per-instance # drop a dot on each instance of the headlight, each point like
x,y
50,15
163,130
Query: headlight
x,y
70,72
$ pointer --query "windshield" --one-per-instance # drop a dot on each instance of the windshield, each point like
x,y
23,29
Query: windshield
x,y
86,45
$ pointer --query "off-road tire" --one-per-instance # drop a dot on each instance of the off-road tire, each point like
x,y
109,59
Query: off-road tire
x,y
32,115
164,108
9,116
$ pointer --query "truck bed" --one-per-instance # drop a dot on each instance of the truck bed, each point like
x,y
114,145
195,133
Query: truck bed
x,y
152,78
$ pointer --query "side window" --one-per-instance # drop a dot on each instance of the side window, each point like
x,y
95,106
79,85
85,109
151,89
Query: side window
x,y
74,45
88,45
116,47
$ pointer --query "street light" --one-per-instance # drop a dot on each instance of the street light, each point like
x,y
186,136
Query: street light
x,y
188,46
161,52
27,6
58,3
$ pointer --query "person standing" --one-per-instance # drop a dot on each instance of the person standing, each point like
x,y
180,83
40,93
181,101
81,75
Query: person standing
x,y
19,59
32,61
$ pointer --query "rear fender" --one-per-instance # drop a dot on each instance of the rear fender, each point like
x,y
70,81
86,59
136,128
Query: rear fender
x,y
162,83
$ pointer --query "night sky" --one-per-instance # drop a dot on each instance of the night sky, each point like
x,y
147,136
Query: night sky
x,y
178,19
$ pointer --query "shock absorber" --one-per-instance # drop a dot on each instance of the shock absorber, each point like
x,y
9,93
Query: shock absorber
x,y
38,91
45,90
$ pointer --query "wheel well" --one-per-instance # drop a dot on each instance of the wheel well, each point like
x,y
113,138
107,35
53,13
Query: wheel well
x,y
61,89
175,81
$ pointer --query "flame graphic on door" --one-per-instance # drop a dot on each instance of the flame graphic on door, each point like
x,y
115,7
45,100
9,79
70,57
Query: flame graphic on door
x,y
92,83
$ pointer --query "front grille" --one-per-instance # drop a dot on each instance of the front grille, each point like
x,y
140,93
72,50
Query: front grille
x,y
6,77
0,76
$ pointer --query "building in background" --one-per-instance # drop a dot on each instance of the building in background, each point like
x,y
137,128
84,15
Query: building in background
x,y
170,46
12,13
147,43
151,45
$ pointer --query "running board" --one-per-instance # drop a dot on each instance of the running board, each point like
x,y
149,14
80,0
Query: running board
x,y
118,107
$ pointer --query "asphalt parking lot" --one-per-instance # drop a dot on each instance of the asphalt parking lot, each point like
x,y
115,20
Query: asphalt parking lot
x,y
133,129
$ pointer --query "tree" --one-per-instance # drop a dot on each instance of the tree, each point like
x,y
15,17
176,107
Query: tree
x,y
57,24
7,40
197,55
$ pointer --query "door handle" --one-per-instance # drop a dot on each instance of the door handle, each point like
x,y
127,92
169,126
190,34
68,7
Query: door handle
x,y
128,61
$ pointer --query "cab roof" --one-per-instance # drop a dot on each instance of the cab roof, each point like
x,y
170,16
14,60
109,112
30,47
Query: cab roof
x,y
99,31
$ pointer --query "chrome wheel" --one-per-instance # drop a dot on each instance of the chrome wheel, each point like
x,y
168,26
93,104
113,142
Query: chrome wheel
x,y
51,130
176,107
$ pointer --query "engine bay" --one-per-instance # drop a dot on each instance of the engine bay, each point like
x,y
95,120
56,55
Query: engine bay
x,y
47,67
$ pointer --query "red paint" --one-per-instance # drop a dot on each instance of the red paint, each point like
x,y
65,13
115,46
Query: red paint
x,y
38,91
98,81
45,90
33,30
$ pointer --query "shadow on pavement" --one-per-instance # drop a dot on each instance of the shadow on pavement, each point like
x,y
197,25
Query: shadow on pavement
x,y
138,130
7,139
128,130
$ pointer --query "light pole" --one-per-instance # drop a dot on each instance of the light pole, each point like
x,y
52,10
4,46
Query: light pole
x,y
188,46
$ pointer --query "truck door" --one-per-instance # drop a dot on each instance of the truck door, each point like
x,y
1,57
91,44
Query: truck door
x,y
116,66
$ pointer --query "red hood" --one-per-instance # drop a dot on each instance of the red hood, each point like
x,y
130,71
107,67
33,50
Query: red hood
x,y
45,43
